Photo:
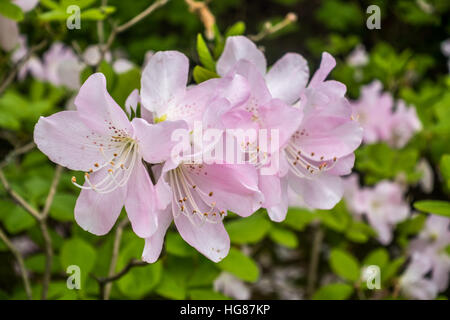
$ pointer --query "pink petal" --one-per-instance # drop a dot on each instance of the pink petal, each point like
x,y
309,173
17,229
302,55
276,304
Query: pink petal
x,y
98,110
232,187
328,137
97,212
278,211
288,77
320,192
154,243
270,186
210,239
141,202
65,139
155,140
240,48
9,33
326,65
343,166
163,81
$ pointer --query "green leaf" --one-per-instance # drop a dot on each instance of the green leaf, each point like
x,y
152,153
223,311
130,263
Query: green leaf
x,y
63,206
108,72
54,15
80,3
170,288
359,232
344,265
236,29
18,220
204,274
204,55
177,246
36,263
97,14
299,218
284,237
132,284
85,73
248,230
124,84
201,74
10,10
392,269
441,208
240,265
78,252
50,4
378,257
334,291
444,165
336,219
206,294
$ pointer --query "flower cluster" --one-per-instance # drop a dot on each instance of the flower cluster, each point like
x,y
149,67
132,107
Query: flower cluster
x,y
381,121
121,152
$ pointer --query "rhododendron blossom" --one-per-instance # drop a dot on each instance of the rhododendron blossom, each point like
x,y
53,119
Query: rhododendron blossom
x,y
317,134
195,196
99,139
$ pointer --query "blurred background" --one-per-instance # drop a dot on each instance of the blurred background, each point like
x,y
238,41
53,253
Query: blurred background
x,y
314,254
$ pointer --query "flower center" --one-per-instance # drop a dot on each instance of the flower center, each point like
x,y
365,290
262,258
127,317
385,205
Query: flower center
x,y
196,204
117,168
302,166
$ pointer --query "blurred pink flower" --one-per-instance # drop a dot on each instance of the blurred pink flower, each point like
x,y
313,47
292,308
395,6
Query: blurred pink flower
x,y
432,242
375,111
403,124
231,286
413,283
9,29
358,57
195,196
99,139
383,205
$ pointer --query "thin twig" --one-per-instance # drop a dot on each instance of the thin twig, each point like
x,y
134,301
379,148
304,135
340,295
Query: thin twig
x,y
201,9
52,192
269,29
16,197
114,256
48,257
17,152
12,74
19,258
123,27
45,233
124,271
314,262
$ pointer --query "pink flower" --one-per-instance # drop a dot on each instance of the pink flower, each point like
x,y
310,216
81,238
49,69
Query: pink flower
x,y
99,139
373,110
267,107
432,242
413,283
383,205
61,66
9,29
404,123
317,137
195,196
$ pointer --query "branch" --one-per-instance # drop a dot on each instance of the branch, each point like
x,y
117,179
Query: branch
x,y
52,192
17,152
120,274
314,262
119,29
10,77
269,29
17,198
19,258
207,18
45,233
114,257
